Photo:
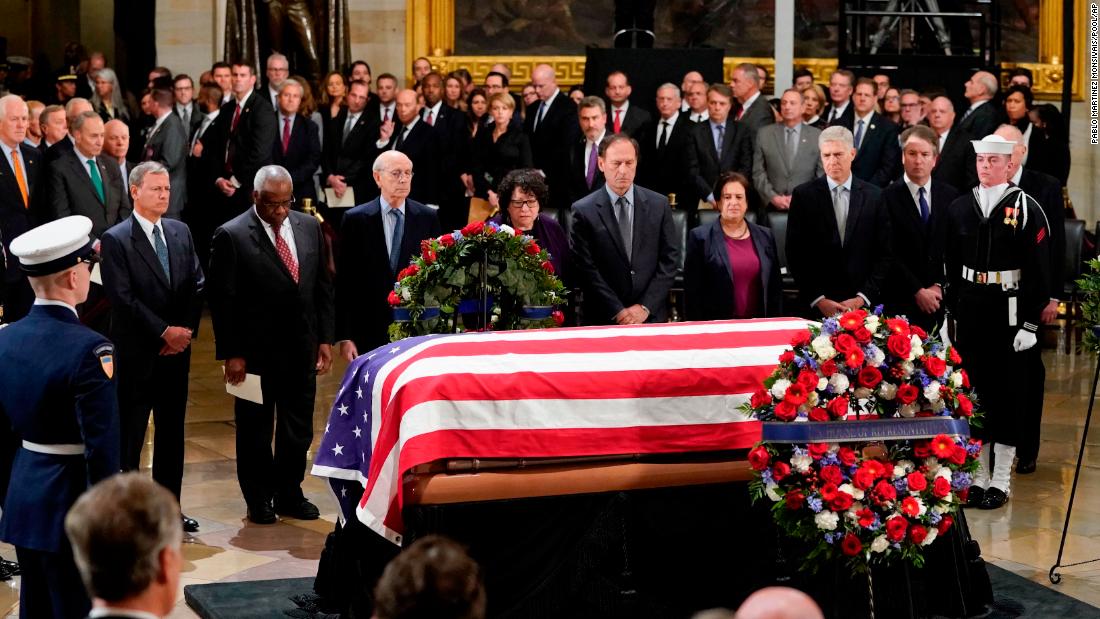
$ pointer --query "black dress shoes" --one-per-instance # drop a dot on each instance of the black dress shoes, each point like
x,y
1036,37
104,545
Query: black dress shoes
x,y
1025,467
261,513
994,498
300,509
190,525
974,498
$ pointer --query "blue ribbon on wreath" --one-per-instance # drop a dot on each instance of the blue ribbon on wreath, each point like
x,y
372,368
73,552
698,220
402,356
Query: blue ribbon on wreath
x,y
474,306
858,431
536,312
402,314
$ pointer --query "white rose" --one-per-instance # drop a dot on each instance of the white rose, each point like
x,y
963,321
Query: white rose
x,y
779,388
871,323
899,471
823,347
944,472
932,391
941,508
907,465
822,383
801,463
942,354
801,418
880,544
772,494
826,520
887,391
856,493
933,466
405,294
931,537
938,406
956,379
908,410
839,382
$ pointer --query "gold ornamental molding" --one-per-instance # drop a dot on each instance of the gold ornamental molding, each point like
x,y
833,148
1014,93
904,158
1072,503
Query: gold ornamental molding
x,y
429,32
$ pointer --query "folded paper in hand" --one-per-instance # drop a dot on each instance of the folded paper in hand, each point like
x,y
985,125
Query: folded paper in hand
x,y
347,201
248,389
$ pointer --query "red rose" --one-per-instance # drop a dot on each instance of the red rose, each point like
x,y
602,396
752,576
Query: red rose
x,y
828,368
965,407
941,487
473,228
558,316
446,240
934,366
548,267
517,233
796,394
885,491
787,356
760,398
869,377
851,545
898,326
845,343
532,248
852,320
808,379
899,345
942,446
953,356
966,378
759,458
838,406
818,414
785,411
866,517
800,339
841,501
945,523
780,470
917,331
907,393
917,481
909,506
828,492
832,474
795,499
393,298
862,335
853,358
428,255
876,468
921,449
817,450
895,528
847,456
958,456
963,494
863,479
917,533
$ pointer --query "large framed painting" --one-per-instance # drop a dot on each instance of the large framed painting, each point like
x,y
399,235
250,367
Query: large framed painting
x,y
521,33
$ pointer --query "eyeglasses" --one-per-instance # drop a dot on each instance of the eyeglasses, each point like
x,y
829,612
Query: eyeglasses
x,y
522,204
400,175
277,205
91,261
910,105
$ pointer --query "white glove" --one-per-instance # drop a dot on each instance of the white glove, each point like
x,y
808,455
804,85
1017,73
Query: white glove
x,y
1024,340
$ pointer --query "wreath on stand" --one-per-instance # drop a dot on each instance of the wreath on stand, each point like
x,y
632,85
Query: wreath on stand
x,y
866,451
480,278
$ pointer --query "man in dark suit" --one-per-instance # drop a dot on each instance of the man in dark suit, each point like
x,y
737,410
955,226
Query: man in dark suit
x,y
721,144
152,276
272,307
914,205
420,144
981,118
623,247
753,109
126,539
956,165
203,216
551,124
81,182
19,172
839,111
376,241
624,117
664,165
183,90
878,156
349,145
75,107
584,170
837,234
167,145
298,147
116,143
449,125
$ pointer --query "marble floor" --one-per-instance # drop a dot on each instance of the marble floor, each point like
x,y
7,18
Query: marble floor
x,y
1022,537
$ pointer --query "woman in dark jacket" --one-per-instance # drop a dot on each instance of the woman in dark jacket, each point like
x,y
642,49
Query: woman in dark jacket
x,y
499,148
521,194
731,269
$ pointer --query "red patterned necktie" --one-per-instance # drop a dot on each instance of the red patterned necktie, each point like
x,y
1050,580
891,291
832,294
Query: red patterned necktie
x,y
618,121
283,249
286,134
236,118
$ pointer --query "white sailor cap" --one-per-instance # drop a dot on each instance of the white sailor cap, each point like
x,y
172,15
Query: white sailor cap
x,y
54,247
993,144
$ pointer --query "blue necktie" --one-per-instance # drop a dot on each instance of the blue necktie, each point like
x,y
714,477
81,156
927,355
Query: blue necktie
x,y
719,139
924,211
859,133
538,114
162,252
395,241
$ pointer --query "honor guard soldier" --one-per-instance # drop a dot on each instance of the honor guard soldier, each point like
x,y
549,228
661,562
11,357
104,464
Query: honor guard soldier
x,y
997,268
57,392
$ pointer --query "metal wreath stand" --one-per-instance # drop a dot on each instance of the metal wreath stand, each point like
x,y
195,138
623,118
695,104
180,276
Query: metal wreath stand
x,y
1053,575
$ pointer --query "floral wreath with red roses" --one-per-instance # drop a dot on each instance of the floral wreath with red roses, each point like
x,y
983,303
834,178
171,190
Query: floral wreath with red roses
x,y
865,501
483,261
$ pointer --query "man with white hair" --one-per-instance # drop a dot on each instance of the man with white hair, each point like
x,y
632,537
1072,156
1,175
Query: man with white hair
x,y
1047,191
271,302
19,172
837,245
277,72
778,603
980,118
551,125
997,262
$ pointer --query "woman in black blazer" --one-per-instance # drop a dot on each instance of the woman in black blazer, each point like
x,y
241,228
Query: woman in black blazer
x,y
732,265
499,148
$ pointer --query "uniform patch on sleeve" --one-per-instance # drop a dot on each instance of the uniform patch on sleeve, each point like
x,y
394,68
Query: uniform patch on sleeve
x,y
106,355
1041,235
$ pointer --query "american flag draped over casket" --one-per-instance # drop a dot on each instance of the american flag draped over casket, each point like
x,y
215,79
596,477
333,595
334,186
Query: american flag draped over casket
x,y
644,389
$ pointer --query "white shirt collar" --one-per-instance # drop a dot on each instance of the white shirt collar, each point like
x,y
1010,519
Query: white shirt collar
x,y
160,121
412,124
435,110
747,104
243,100
623,108
57,303
185,108
546,104
846,184
866,119
282,121
1015,180
81,156
147,226
107,611
704,116
977,104
989,196
671,120
840,109
387,207
914,190
599,139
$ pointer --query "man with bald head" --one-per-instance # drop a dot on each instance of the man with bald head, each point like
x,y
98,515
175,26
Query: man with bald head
x,y
778,603
955,165
271,302
419,142
980,119
19,172
691,77
116,143
376,241
75,107
551,125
